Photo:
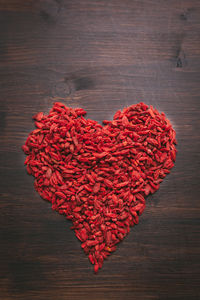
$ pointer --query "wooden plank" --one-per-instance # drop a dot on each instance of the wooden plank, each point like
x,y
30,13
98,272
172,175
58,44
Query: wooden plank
x,y
102,56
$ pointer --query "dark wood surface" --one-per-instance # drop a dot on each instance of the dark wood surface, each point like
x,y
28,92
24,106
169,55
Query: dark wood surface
x,y
101,56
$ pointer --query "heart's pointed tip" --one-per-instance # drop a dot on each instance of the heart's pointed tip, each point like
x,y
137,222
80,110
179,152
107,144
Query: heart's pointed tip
x,y
96,268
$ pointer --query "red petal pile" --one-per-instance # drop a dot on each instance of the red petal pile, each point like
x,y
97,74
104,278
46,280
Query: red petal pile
x,y
98,176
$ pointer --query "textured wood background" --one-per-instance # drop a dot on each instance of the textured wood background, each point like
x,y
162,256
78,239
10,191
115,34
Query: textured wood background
x,y
102,56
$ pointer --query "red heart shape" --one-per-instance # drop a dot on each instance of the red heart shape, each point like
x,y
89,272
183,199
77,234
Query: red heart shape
x,y
98,176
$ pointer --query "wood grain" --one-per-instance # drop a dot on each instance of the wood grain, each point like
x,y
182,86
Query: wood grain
x,y
102,56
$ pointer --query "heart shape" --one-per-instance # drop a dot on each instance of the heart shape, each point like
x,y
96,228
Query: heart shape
x,y
98,176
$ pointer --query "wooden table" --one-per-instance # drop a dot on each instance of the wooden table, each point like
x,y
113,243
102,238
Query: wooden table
x,y
101,56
